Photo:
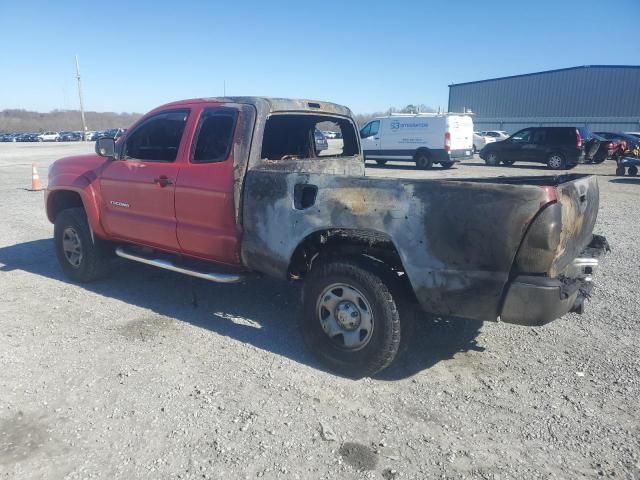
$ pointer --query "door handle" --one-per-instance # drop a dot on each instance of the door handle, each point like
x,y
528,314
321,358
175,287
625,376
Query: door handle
x,y
376,138
163,181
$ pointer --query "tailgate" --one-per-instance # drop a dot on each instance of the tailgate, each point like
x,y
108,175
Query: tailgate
x,y
579,200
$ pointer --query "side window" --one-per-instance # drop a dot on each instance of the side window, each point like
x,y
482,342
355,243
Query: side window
x,y
364,133
158,138
375,126
540,136
215,135
523,136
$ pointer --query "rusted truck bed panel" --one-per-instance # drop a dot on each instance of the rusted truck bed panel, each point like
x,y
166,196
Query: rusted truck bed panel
x,y
457,240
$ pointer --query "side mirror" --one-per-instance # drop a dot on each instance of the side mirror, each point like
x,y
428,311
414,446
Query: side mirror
x,y
106,147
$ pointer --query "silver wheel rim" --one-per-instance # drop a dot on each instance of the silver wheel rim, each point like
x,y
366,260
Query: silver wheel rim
x,y
492,159
555,161
345,316
72,247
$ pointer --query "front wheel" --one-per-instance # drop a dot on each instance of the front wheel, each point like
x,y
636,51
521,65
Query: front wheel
x,y
351,319
82,258
492,159
446,165
633,171
508,163
381,162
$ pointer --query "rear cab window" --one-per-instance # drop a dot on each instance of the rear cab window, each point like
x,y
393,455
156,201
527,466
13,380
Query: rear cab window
x,y
290,136
214,135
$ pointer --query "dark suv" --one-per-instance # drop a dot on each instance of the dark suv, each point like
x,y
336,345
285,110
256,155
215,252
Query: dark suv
x,y
558,147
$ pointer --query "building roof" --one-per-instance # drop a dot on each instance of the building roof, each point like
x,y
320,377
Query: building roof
x,y
546,71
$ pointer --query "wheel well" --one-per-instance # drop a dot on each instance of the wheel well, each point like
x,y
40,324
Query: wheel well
x,y
340,243
62,200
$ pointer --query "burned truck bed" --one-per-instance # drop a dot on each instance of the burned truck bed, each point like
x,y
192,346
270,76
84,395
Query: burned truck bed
x,y
456,239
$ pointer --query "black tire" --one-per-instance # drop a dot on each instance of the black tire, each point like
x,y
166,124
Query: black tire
x,y
446,165
381,162
508,163
633,171
475,150
556,161
95,254
373,287
620,171
423,160
492,159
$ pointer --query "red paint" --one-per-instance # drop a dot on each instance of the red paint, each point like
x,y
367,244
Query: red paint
x,y
194,216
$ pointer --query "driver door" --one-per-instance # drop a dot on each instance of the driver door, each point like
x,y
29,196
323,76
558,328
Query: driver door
x,y
370,139
519,147
138,191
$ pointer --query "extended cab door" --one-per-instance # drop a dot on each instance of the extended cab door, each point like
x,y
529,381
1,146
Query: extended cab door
x,y
138,190
205,208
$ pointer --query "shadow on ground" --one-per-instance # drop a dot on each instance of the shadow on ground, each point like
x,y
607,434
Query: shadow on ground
x,y
260,312
629,180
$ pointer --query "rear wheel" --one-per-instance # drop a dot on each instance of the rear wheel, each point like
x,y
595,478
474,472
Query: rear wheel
x,y
351,318
633,171
492,159
555,161
381,162
446,165
423,160
508,163
620,171
82,258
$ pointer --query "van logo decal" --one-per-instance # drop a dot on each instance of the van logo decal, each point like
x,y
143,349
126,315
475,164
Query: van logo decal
x,y
397,125
115,203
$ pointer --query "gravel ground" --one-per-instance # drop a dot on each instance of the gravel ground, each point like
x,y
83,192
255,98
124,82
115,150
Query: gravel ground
x,y
149,374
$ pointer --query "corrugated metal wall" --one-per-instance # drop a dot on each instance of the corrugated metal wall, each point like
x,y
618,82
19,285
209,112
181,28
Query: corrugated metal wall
x,y
603,97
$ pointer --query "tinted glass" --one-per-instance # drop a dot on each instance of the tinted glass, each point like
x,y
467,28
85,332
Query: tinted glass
x,y
523,136
364,133
561,135
540,136
215,136
158,138
375,126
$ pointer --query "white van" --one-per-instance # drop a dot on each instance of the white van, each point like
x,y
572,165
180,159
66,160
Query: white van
x,y
424,138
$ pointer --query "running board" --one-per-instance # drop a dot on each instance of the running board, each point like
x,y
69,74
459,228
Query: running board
x,y
167,265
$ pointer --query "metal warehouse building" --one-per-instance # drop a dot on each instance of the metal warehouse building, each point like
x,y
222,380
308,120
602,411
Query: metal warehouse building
x,y
598,97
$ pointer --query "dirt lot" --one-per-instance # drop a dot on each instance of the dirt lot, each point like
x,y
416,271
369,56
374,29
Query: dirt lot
x,y
149,374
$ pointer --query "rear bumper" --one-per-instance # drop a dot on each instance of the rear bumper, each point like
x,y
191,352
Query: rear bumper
x,y
441,155
535,300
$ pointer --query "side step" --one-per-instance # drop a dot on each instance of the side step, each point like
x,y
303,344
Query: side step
x,y
168,265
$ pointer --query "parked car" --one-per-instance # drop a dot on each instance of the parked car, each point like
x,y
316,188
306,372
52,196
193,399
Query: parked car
x,y
479,141
29,137
558,147
597,148
70,136
49,137
321,141
329,134
425,138
630,140
247,199
11,137
633,134
110,133
497,134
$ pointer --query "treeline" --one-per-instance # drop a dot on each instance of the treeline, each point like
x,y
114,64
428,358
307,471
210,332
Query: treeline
x,y
61,120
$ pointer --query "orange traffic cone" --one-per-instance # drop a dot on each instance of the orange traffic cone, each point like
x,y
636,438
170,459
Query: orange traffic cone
x,y
36,186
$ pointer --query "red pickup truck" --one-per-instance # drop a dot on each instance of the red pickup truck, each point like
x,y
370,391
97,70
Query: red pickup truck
x,y
222,188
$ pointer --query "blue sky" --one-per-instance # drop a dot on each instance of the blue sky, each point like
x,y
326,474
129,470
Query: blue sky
x,y
366,55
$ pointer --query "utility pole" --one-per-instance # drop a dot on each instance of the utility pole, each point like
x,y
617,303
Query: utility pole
x,y
84,123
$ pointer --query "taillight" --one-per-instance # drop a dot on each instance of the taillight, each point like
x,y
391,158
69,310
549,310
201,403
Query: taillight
x,y
611,146
578,139
447,141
